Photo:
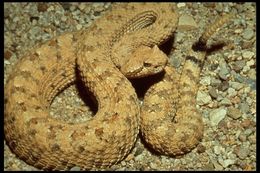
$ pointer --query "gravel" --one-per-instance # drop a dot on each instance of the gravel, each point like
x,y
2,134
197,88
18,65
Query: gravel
x,y
228,110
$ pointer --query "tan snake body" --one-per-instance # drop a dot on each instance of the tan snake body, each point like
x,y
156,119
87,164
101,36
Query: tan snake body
x,y
98,53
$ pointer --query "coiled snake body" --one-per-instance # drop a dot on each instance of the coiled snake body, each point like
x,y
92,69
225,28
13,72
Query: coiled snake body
x,y
104,54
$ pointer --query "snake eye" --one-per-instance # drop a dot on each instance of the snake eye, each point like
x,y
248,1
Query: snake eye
x,y
147,64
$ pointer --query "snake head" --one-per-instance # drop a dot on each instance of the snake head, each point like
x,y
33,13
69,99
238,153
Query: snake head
x,y
145,61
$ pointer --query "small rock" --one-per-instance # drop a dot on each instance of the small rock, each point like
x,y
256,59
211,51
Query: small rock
x,y
205,80
241,152
208,167
238,77
63,18
238,31
223,86
244,107
213,66
7,62
176,62
238,65
227,162
153,165
215,82
186,23
234,113
245,69
217,166
65,5
217,115
75,168
42,7
139,157
246,123
248,33
242,137
181,4
248,132
7,54
223,73
225,102
250,63
218,149
123,163
201,148
82,6
213,93
139,150
247,44
252,74
248,54
231,92
252,138
78,26
236,85
203,98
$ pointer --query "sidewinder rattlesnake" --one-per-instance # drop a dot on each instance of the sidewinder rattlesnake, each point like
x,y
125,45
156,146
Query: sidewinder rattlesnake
x,y
105,54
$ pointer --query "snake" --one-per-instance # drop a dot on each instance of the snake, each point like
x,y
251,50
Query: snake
x,y
123,44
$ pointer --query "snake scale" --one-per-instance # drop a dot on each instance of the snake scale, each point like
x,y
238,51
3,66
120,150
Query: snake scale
x,y
122,43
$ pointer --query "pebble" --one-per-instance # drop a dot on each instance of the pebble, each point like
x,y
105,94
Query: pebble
x,y
201,148
234,113
217,115
218,149
248,54
242,137
252,74
227,162
223,86
153,165
238,77
7,54
225,102
217,166
205,80
139,157
42,7
236,85
75,168
186,23
245,69
250,63
247,44
181,4
223,73
139,150
238,65
215,82
7,62
241,152
231,92
208,167
244,107
176,62
248,132
203,98
252,138
246,123
248,33
78,26
213,93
